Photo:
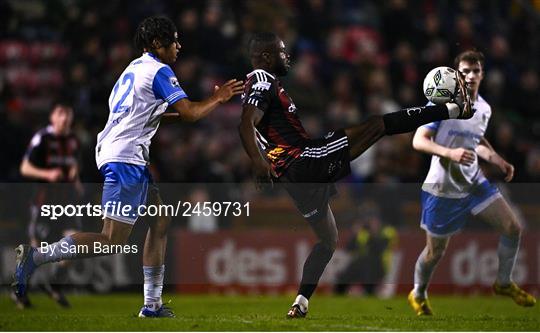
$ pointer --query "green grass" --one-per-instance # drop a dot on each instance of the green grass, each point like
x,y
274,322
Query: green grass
x,y
117,312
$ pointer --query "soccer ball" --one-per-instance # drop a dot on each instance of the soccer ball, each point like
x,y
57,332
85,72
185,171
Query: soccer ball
x,y
440,85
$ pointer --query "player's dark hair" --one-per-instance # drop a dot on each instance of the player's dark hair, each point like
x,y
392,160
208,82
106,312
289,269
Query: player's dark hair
x,y
63,102
152,28
470,56
261,42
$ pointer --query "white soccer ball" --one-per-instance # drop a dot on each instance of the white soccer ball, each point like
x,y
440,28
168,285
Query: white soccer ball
x,y
440,85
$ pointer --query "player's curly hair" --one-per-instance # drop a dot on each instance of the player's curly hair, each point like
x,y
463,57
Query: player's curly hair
x,y
471,56
159,28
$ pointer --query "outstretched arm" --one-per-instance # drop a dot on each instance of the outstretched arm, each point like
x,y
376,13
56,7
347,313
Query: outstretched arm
x,y
251,116
486,152
193,111
423,141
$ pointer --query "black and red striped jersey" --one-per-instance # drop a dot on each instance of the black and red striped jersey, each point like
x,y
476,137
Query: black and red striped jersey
x,y
279,133
48,150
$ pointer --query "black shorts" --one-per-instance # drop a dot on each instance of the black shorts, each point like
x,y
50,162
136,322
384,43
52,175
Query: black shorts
x,y
310,179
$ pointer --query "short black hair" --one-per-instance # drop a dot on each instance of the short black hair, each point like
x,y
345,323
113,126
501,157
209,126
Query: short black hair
x,y
261,42
471,56
63,101
159,28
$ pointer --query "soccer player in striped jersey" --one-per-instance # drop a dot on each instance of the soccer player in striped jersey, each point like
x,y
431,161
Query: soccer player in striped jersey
x,y
456,188
145,89
52,159
281,150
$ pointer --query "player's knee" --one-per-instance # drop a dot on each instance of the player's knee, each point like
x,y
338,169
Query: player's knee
x,y
161,226
116,238
330,243
435,253
514,229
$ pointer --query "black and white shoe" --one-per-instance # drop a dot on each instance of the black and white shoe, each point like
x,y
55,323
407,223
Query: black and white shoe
x,y
463,98
296,312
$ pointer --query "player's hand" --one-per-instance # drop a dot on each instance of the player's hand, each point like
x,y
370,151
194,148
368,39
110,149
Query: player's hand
x,y
462,156
54,175
507,169
228,90
263,174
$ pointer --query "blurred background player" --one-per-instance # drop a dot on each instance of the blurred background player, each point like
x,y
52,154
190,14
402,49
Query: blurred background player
x,y
308,168
137,102
456,188
370,247
52,159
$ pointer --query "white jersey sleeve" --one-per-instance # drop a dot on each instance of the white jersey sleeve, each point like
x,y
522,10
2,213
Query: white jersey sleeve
x,y
445,177
140,96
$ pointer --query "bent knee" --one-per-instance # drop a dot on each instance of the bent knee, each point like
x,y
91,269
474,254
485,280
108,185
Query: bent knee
x,y
116,238
161,225
330,243
436,253
514,229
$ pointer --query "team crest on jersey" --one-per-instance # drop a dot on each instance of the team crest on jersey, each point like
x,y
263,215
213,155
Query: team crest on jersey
x,y
174,82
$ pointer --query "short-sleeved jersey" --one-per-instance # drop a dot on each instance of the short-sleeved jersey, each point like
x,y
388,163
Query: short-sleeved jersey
x,y
48,150
280,133
445,177
139,98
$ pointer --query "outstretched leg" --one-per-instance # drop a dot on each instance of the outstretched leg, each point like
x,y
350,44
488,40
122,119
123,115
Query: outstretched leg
x,y
500,215
367,133
76,246
425,266
326,231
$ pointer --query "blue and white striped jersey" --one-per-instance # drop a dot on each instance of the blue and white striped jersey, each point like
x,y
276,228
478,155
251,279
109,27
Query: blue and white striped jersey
x,y
140,96
450,179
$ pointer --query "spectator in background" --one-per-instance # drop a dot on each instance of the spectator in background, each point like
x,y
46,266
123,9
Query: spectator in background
x,y
370,248
201,222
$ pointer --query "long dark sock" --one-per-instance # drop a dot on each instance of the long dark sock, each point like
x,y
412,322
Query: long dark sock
x,y
313,268
408,120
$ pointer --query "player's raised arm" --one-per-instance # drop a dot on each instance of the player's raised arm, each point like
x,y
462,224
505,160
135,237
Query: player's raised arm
x,y
251,116
423,141
193,111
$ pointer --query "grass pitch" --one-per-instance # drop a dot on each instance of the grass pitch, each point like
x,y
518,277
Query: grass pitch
x,y
117,312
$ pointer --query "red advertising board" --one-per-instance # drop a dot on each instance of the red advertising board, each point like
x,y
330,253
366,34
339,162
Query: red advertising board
x,y
263,261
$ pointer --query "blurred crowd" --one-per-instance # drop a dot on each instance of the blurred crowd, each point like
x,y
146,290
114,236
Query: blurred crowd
x,y
350,59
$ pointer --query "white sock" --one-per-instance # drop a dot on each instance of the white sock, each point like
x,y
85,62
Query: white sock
x,y
54,252
507,252
422,275
153,286
302,302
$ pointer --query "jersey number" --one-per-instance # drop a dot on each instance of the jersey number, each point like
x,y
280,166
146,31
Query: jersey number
x,y
121,84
